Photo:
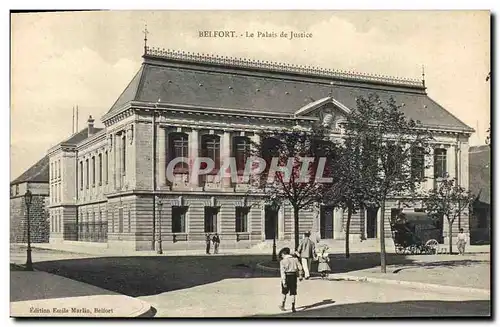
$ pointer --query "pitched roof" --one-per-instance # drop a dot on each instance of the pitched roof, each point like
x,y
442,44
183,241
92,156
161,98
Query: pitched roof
x,y
80,136
39,172
184,82
480,172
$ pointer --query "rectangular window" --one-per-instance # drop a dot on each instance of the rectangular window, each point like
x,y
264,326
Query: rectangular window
x,y
241,151
241,219
179,219
106,167
129,222
93,171
51,171
87,173
81,175
210,220
178,148
210,147
100,168
59,168
440,163
417,164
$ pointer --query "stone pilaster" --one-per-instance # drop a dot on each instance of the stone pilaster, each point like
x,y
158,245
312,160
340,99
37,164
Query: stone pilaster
x,y
193,154
162,157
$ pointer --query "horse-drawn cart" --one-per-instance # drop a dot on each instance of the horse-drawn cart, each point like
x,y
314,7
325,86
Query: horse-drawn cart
x,y
415,233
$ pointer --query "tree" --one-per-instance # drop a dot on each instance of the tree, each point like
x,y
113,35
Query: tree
x,y
350,190
393,155
448,200
303,159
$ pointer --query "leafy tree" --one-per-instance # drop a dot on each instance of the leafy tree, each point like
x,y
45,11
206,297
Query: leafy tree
x,y
448,200
305,156
393,150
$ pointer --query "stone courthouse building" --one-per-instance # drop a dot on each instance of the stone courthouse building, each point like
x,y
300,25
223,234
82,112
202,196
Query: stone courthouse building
x,y
109,187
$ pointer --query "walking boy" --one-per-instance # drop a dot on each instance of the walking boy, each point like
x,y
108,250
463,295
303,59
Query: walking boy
x,y
290,269
461,241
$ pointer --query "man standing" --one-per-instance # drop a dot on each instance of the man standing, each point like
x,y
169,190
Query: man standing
x,y
207,241
216,241
307,253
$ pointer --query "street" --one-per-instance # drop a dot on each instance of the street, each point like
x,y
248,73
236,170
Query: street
x,y
232,286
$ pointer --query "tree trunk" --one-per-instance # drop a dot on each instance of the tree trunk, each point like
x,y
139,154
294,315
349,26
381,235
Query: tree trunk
x,y
382,237
450,235
347,228
296,226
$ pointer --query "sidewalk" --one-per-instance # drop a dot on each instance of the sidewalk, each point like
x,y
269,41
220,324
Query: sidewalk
x,y
335,247
40,294
469,273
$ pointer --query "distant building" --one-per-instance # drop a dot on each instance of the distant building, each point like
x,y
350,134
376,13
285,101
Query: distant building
x,y
35,179
105,184
480,185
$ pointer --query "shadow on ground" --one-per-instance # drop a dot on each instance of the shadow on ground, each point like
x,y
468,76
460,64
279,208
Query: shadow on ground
x,y
29,285
413,309
442,264
144,275
150,275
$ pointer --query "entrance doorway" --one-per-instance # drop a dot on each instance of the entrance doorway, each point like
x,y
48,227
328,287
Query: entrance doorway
x,y
270,222
371,222
326,222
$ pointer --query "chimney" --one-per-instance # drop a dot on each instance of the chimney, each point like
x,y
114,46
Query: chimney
x,y
90,122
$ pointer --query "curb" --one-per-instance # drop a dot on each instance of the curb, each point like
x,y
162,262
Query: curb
x,y
419,285
262,267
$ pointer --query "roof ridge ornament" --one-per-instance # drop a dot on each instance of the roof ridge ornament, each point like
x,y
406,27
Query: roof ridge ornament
x,y
146,32
278,66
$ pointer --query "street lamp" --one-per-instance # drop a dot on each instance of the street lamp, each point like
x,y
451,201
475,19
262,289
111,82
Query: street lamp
x,y
27,198
274,207
159,249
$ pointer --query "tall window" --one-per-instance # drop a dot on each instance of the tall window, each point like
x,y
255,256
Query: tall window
x,y
179,219
210,148
87,173
81,175
440,163
59,168
241,219
394,156
270,149
178,148
93,171
106,168
124,156
210,220
417,164
52,171
100,168
241,152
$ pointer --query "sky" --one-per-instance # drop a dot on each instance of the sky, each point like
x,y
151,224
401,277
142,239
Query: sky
x,y
60,60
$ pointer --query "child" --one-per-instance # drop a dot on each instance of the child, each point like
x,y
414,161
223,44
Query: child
x,y
290,269
323,259
461,241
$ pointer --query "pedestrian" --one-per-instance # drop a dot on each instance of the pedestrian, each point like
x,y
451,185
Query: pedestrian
x,y
323,259
216,241
307,253
461,241
207,241
290,271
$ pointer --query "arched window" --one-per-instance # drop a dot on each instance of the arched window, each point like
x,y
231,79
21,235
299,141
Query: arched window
x,y
179,148
210,148
241,152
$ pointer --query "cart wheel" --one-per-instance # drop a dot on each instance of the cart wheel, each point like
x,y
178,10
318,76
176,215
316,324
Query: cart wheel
x,y
400,249
432,246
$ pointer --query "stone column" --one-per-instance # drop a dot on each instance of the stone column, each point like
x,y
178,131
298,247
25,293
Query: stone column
x,y
281,222
429,172
193,154
450,161
225,154
162,157
118,161
338,216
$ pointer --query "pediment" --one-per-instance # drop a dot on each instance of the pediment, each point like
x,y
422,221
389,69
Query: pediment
x,y
328,110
